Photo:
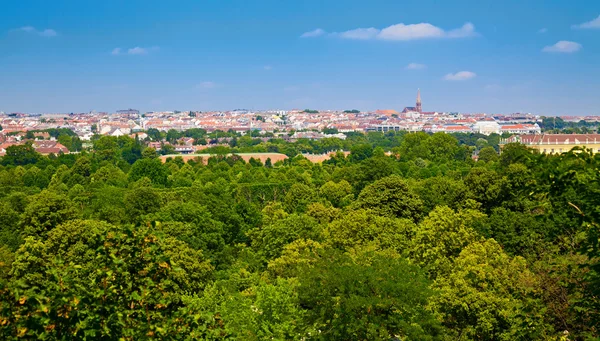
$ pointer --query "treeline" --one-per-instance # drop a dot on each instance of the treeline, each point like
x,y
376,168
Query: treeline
x,y
463,144
559,126
421,243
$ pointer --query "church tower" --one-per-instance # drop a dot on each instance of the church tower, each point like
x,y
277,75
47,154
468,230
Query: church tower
x,y
418,100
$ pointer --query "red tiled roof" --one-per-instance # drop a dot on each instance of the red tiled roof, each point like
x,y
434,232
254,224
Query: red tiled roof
x,y
457,128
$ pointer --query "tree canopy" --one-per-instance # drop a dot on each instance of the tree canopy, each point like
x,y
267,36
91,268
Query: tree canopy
x,y
403,237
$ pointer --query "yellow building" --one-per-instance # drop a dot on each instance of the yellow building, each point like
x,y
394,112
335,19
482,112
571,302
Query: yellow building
x,y
556,143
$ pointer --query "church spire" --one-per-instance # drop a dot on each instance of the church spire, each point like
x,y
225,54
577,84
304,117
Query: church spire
x,y
418,100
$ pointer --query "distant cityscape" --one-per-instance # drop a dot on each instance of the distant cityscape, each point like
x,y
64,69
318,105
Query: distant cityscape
x,y
294,124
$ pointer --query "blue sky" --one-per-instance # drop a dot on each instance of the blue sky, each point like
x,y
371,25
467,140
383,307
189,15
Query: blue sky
x,y
538,56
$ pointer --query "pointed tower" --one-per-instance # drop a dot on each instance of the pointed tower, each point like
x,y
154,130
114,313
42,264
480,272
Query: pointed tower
x,y
418,100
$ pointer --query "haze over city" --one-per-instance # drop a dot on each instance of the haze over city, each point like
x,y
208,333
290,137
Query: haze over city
x,y
68,56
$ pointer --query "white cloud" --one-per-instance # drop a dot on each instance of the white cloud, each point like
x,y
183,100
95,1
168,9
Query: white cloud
x,y
401,32
410,32
460,76
543,30
563,46
314,33
359,33
206,85
424,31
134,50
48,32
467,30
587,25
267,67
137,50
415,66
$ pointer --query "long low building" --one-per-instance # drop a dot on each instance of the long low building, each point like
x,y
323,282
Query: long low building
x,y
262,157
556,143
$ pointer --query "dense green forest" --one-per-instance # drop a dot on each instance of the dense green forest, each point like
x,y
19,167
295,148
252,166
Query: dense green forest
x,y
422,243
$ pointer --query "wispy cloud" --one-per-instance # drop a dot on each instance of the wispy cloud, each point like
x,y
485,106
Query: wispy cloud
x,y
26,29
460,76
589,24
358,33
48,32
425,31
141,50
206,85
314,33
415,66
267,67
563,46
543,30
134,50
137,50
400,32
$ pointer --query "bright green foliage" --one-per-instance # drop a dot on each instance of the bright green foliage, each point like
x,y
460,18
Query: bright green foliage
x,y
487,186
405,238
105,283
488,154
374,297
270,240
338,194
567,294
442,146
414,145
272,213
9,227
298,197
361,152
106,148
149,168
442,191
108,205
83,166
35,177
295,257
482,296
518,233
323,214
19,155
140,201
370,170
391,197
149,153
6,259
266,311
109,175
46,211
363,227
183,177
514,153
194,225
440,238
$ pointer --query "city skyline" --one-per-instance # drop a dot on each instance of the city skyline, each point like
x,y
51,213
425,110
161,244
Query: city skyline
x,y
70,57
